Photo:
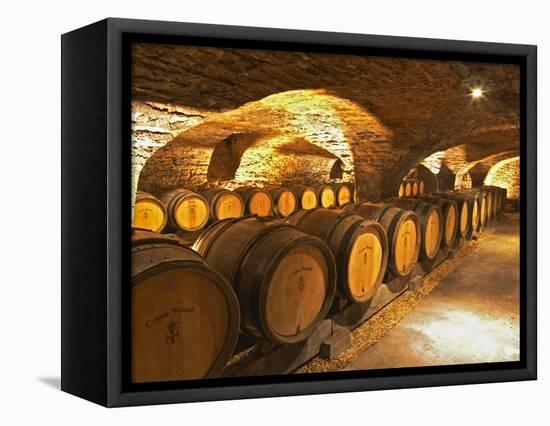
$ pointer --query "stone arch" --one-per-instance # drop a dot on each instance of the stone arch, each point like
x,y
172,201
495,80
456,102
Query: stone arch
x,y
369,111
465,182
451,154
423,173
430,180
478,169
506,174
312,124
284,160
226,156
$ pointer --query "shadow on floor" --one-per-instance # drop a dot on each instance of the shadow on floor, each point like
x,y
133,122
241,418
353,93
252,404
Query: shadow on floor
x,y
54,382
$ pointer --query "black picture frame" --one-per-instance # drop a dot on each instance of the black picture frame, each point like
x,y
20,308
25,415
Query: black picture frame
x,y
96,213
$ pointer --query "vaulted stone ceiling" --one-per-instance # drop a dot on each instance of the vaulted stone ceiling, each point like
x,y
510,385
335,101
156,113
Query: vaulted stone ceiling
x,y
378,116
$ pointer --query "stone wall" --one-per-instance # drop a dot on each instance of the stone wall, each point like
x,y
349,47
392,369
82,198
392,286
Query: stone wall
x,y
506,174
154,125
205,116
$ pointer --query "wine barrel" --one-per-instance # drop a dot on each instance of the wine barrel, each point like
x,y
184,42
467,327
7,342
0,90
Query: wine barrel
x,y
149,212
421,186
256,200
187,210
403,230
414,188
285,280
327,197
481,198
497,202
474,200
408,189
431,222
224,204
343,194
465,209
307,196
449,209
401,190
285,201
360,247
184,314
491,204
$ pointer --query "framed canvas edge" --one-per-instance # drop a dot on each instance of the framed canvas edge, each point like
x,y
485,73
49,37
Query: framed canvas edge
x,y
527,54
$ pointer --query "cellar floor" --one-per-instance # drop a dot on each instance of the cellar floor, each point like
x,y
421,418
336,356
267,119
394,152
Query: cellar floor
x,y
472,316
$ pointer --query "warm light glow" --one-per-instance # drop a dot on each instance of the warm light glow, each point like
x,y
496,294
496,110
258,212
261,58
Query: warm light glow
x,y
500,175
477,92
453,158
434,161
314,123
470,334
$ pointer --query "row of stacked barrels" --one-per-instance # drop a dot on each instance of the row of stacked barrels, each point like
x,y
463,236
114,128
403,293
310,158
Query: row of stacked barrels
x,y
188,211
275,278
411,188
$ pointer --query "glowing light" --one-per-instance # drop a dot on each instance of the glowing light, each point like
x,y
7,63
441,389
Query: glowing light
x,y
434,161
505,174
469,335
477,92
453,158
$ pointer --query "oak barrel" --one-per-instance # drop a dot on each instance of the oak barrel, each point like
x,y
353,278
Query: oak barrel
x,y
497,202
478,199
307,196
414,188
343,194
401,190
451,219
224,204
327,196
285,280
491,205
403,230
256,200
186,210
502,195
184,314
408,189
360,247
149,212
285,201
474,200
431,221
483,201
466,212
